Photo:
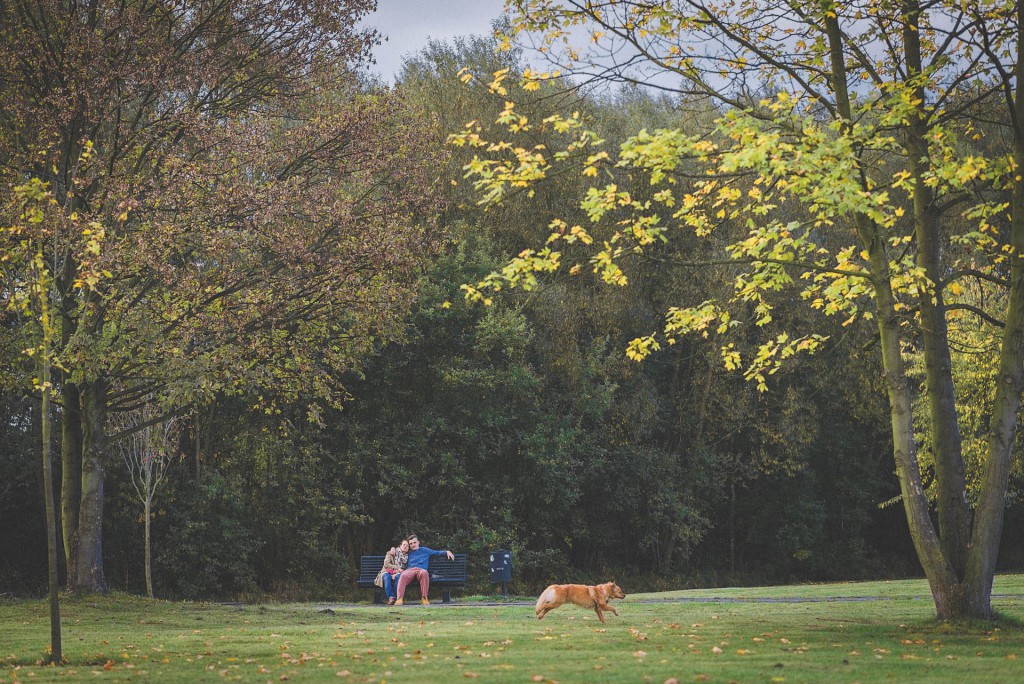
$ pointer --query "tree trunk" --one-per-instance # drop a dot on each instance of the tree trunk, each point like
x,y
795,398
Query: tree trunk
x,y
149,572
943,581
56,648
197,422
988,524
89,576
954,511
71,476
732,527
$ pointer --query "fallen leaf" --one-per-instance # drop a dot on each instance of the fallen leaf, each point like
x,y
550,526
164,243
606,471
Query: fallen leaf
x,y
716,649
639,654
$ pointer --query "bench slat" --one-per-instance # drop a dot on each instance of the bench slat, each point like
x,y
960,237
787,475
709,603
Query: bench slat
x,y
369,566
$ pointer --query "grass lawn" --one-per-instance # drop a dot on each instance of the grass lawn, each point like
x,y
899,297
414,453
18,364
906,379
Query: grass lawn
x,y
744,636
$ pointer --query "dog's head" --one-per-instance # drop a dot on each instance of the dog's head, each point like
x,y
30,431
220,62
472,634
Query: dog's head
x,y
614,591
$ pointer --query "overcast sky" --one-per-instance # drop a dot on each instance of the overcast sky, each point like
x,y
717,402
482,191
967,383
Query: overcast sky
x,y
407,24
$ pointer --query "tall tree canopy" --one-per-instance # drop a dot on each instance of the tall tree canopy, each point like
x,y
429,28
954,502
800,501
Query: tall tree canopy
x,y
262,208
847,167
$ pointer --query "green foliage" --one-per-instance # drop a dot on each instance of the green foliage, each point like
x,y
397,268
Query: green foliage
x,y
207,544
23,523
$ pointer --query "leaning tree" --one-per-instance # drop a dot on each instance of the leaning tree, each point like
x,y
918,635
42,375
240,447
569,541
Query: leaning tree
x,y
857,163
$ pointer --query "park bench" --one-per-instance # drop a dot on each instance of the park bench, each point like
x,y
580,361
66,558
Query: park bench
x,y
447,574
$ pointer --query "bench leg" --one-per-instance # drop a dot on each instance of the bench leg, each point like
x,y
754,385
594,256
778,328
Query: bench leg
x,y
446,596
378,595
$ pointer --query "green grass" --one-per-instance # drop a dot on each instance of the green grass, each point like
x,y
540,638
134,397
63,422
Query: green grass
x,y
121,638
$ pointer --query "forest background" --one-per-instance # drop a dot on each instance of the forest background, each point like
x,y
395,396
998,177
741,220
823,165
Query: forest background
x,y
520,425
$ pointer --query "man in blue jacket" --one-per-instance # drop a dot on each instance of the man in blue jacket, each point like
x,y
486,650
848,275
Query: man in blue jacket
x,y
419,556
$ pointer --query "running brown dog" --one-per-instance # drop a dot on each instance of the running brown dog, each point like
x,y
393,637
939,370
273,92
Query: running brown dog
x,y
584,596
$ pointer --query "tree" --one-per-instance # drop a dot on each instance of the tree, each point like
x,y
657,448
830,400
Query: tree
x,y
29,281
148,447
32,296
262,206
844,150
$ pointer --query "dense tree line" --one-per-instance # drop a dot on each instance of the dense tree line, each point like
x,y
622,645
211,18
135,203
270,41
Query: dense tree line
x,y
521,425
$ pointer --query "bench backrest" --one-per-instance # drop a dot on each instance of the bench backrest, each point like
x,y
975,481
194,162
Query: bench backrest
x,y
369,566
440,568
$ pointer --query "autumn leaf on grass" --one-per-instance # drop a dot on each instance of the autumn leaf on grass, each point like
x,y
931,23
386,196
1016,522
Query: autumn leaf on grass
x,y
716,649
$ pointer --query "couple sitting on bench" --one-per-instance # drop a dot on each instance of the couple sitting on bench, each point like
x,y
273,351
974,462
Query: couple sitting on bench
x,y
403,564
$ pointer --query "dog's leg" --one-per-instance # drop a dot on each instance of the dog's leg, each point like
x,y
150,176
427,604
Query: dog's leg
x,y
597,609
610,607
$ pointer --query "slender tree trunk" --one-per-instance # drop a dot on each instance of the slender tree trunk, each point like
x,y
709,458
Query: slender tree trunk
x,y
71,476
149,571
954,511
942,580
56,647
197,421
988,524
90,576
732,526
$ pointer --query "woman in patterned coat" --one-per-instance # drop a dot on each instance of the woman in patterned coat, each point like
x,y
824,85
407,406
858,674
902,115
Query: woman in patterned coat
x,y
395,562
